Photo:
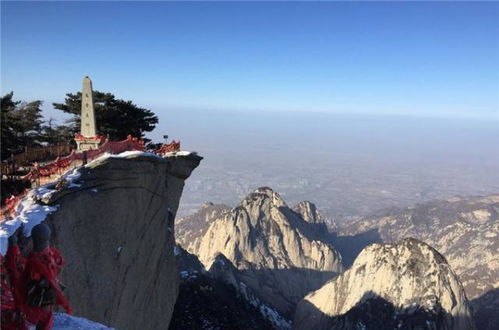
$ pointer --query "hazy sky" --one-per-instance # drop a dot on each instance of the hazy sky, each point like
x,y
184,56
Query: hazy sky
x,y
428,59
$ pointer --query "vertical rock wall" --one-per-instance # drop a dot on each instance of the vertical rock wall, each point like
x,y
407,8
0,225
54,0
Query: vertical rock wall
x,y
114,226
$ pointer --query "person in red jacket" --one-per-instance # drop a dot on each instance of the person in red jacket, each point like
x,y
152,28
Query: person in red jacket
x,y
35,278
11,316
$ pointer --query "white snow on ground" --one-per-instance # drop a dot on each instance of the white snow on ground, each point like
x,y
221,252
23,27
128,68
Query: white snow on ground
x,y
124,154
185,274
268,312
72,175
29,213
68,322
177,153
136,153
273,316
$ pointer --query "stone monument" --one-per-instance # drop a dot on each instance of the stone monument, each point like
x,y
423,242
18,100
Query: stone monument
x,y
87,139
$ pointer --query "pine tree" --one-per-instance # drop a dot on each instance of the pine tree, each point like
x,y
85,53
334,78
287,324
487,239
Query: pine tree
x,y
55,134
115,118
21,125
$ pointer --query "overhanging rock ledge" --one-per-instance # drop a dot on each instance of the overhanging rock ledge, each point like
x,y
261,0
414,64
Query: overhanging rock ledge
x,y
115,228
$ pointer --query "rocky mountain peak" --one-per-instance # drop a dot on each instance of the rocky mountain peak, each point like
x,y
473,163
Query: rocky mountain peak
x,y
269,192
308,211
216,299
269,232
207,205
221,263
265,238
464,230
263,197
410,282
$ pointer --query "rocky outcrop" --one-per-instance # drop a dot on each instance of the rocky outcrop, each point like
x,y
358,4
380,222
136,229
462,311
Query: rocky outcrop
x,y
206,301
281,256
114,225
404,285
224,271
308,211
188,264
464,230
190,229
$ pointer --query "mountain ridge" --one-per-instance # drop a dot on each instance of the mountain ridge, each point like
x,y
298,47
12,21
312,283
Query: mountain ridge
x,y
271,245
409,281
465,230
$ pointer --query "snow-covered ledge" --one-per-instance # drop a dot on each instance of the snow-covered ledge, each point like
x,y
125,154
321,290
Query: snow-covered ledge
x,y
30,212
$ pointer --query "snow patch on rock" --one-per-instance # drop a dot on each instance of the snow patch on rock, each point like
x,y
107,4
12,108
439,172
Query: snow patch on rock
x,y
30,212
136,153
68,322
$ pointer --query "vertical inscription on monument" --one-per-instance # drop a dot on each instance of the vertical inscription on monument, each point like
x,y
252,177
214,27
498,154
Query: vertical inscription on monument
x,y
87,139
87,109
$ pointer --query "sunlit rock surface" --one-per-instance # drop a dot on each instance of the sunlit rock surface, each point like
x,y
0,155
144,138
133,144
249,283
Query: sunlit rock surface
x,y
280,255
464,230
404,285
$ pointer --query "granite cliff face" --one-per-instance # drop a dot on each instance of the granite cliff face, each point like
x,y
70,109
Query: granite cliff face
x,y
190,230
279,255
404,285
114,226
223,270
308,211
465,231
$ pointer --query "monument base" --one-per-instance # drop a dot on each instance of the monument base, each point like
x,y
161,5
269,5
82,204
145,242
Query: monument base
x,y
87,143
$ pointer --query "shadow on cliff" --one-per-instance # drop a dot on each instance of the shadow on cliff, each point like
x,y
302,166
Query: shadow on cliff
x,y
282,289
207,303
485,311
373,312
350,246
312,231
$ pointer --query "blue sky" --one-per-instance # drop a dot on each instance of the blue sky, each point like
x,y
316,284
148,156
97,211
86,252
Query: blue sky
x,y
418,59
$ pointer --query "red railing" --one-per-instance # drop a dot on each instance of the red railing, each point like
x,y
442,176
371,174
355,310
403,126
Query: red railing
x,y
168,147
10,205
61,164
51,171
12,164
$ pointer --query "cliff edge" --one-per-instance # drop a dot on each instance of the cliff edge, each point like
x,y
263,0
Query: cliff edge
x,y
113,222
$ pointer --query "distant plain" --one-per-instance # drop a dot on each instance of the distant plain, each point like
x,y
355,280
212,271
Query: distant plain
x,y
349,165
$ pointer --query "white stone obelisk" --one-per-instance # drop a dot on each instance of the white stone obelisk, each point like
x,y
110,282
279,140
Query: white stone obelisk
x,y
87,109
88,138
